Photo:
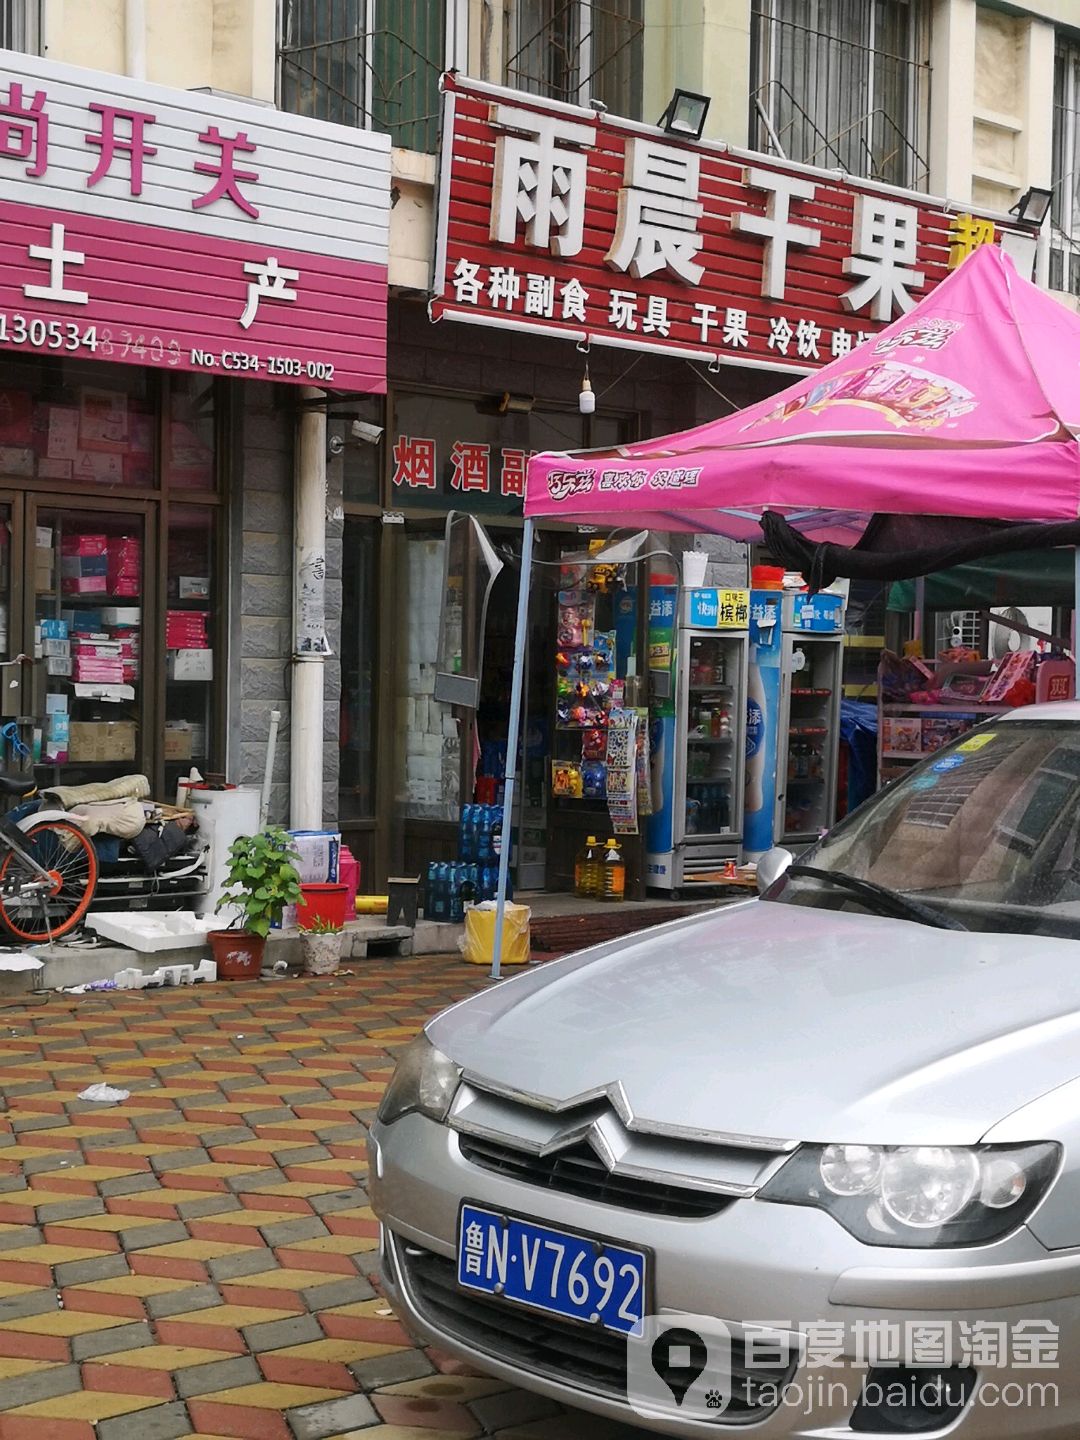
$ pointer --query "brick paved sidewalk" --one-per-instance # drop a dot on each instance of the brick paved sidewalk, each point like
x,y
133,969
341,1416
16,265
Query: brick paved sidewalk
x,y
200,1259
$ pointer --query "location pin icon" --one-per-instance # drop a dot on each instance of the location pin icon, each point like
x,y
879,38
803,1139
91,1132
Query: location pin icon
x,y
679,1357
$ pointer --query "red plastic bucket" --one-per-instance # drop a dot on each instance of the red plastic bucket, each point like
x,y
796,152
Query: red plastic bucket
x,y
323,901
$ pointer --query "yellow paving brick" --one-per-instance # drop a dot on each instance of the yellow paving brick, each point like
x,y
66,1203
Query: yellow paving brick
x,y
89,1405
106,1222
323,1167
364,1309
400,1432
234,1316
12,1369
267,1395
141,1147
163,1195
167,1357
9,1288
64,1322
392,1031
287,1279
66,1133
357,1212
51,1254
336,1352
260,1147
303,1189
140,1285
198,1250
337,1244
252,1218
92,1174
462,1388
217,1169
35,1197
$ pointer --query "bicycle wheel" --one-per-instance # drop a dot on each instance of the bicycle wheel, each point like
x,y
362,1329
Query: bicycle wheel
x,y
40,914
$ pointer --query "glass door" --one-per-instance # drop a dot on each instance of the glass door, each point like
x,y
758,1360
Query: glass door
x,y
12,702
808,743
88,611
714,701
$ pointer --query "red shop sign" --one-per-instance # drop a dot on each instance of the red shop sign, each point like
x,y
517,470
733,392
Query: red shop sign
x,y
169,228
593,228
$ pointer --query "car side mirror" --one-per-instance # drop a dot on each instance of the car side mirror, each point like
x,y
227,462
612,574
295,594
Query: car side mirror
x,y
771,866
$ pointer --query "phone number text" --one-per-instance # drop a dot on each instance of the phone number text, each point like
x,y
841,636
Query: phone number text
x,y
100,340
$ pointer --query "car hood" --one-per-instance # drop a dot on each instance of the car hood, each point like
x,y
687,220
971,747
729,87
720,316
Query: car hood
x,y
788,1022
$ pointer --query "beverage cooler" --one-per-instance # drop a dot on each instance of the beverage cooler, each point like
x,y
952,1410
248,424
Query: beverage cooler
x,y
809,731
699,743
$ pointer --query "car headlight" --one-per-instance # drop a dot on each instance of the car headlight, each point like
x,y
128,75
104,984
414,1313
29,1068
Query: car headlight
x,y
919,1196
424,1081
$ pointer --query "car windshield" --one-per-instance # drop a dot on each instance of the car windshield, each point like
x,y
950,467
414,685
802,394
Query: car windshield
x,y
986,834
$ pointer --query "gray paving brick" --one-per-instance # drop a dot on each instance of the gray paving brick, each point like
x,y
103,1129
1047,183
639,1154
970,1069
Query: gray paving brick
x,y
17,1239
345,1290
179,1160
344,1199
176,1302
107,1342
288,1232
244,1262
275,1334
143,1237
257,1180
219,1375
162,1422
18,1307
20,1122
513,1407
332,1417
211,1205
40,1385
73,1209
129,1184
392,1369
85,1272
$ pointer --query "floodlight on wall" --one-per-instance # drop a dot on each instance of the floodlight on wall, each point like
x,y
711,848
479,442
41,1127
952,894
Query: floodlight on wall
x,y
1033,206
685,115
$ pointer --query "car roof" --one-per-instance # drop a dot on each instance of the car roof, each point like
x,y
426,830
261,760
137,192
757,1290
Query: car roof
x,y
1054,710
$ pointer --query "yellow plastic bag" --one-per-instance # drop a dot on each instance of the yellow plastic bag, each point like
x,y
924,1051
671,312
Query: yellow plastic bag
x,y
478,943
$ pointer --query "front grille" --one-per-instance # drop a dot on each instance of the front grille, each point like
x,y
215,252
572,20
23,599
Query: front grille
x,y
542,1344
578,1170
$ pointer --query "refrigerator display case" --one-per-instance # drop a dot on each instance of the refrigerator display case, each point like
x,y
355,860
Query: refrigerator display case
x,y
699,765
811,671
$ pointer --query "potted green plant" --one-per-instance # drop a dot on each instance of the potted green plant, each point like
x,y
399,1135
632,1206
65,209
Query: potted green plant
x,y
321,945
261,880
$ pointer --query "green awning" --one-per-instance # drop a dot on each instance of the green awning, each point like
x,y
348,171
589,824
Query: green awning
x,y
1029,577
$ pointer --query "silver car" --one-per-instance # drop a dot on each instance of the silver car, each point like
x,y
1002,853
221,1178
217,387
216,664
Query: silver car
x,y
808,1164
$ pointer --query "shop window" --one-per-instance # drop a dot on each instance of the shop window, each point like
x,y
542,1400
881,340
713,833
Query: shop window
x,y
843,84
190,657
189,449
77,422
369,63
20,26
1065,209
358,638
578,50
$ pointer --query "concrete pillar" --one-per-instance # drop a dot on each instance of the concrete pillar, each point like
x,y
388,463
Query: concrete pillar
x,y
135,38
952,100
701,45
309,615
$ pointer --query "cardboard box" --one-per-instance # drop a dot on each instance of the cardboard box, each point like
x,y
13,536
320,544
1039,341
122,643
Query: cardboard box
x,y
194,587
318,855
56,704
191,665
102,740
178,740
58,665
44,538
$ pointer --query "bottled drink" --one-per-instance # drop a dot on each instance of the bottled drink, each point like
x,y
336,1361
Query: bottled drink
x,y
755,742
457,909
483,835
431,891
466,836
613,870
496,833
585,869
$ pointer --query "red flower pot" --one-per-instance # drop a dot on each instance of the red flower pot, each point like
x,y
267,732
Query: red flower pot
x,y
238,954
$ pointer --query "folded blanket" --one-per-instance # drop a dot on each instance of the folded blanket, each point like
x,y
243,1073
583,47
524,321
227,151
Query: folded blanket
x,y
124,818
126,787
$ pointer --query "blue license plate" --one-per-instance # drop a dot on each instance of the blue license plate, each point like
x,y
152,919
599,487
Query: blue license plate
x,y
575,1276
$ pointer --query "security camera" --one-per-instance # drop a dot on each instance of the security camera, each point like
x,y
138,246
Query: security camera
x,y
369,434
598,106
335,446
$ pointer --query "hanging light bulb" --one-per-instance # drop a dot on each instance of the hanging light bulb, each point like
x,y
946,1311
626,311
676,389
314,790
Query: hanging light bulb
x,y
586,399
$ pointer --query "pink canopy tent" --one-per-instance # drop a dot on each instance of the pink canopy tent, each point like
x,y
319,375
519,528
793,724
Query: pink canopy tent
x,y
969,405
966,407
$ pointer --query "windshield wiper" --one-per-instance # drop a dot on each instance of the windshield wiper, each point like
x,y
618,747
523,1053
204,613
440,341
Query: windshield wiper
x,y
879,897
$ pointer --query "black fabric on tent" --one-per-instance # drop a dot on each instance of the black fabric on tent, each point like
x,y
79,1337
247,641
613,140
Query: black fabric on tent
x,y
1030,577
902,547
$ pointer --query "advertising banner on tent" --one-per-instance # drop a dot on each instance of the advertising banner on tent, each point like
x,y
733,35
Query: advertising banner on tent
x,y
573,222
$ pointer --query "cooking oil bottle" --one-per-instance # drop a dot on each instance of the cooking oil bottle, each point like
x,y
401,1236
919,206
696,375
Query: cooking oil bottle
x,y
587,869
613,872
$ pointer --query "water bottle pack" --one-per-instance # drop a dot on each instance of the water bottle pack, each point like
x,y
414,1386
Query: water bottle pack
x,y
454,884
480,834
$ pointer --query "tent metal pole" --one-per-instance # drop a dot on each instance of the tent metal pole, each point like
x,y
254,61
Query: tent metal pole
x,y
1076,618
513,737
